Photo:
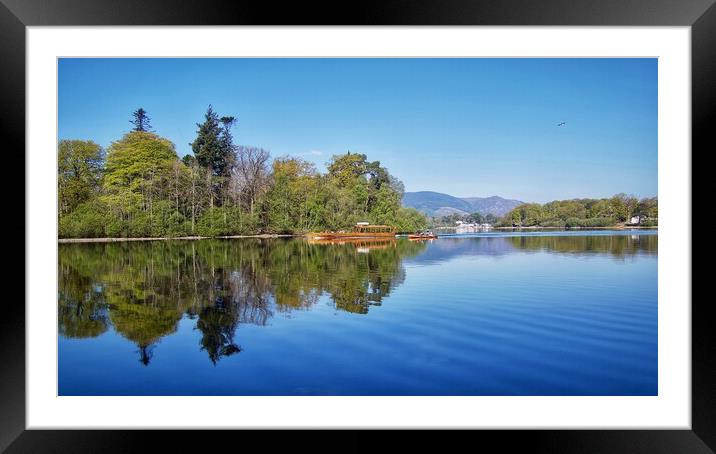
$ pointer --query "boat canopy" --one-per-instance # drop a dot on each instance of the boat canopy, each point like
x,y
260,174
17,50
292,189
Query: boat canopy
x,y
368,228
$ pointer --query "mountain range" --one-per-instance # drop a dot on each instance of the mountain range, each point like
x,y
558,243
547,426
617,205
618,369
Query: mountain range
x,y
439,204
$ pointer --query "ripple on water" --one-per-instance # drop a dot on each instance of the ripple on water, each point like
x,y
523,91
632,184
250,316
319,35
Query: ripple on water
x,y
499,315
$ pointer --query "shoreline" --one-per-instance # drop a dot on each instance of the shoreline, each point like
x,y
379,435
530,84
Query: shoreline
x,y
613,227
288,235
560,229
184,238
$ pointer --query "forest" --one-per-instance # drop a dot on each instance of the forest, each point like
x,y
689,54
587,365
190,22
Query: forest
x,y
618,209
139,187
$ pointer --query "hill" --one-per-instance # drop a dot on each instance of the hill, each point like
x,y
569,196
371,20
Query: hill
x,y
492,205
439,204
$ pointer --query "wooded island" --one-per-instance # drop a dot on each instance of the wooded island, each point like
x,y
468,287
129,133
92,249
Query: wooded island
x,y
140,188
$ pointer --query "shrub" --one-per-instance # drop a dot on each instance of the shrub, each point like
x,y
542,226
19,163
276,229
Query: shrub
x,y
589,222
115,228
572,222
598,222
139,226
88,220
225,221
166,221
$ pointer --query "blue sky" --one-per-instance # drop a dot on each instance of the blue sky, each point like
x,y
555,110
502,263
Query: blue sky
x,y
466,127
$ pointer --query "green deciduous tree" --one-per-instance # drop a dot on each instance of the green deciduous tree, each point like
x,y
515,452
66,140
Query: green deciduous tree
x,y
79,173
361,190
346,169
648,207
582,212
136,156
294,201
138,174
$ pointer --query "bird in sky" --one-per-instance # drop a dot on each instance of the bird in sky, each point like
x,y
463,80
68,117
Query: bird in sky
x,y
562,123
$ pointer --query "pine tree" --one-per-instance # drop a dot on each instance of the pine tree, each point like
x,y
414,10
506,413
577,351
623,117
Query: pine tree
x,y
208,147
214,150
227,143
141,121
227,139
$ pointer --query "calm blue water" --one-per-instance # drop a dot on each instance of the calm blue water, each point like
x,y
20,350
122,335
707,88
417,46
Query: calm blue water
x,y
556,313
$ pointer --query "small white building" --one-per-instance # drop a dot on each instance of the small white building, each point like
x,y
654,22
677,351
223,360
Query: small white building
x,y
635,220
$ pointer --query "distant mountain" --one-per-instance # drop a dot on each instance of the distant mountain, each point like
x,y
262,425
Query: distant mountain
x,y
439,204
429,202
492,205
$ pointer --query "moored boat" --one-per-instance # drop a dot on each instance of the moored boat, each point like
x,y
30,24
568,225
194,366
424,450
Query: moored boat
x,y
361,244
360,230
422,236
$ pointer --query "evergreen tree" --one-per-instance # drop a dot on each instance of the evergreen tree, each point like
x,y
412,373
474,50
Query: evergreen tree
x,y
214,150
227,139
209,147
228,149
141,121
188,160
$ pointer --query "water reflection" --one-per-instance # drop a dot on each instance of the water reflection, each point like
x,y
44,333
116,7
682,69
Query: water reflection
x,y
616,246
82,309
143,289
619,246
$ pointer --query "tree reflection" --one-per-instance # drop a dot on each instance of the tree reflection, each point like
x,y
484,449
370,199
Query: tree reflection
x,y
144,289
618,246
146,352
82,311
218,325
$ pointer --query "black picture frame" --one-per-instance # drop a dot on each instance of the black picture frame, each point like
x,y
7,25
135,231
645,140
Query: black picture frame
x,y
700,15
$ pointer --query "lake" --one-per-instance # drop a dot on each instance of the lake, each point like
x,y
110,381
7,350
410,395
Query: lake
x,y
538,313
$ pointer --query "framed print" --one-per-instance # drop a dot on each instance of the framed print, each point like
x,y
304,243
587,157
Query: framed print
x,y
414,216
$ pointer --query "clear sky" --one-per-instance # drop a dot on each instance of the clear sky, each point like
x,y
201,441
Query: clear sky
x,y
465,127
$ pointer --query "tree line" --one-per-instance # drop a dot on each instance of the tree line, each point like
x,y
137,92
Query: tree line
x,y
607,212
139,187
620,208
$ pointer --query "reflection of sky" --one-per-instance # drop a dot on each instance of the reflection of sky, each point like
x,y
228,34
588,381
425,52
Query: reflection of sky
x,y
459,322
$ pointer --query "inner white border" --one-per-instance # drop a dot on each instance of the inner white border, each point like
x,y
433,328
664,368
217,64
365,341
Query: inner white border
x,y
671,409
